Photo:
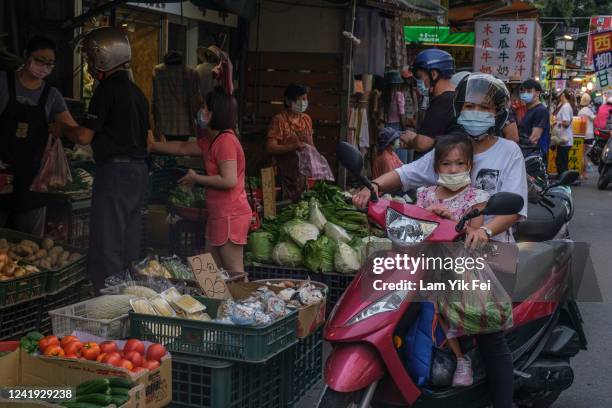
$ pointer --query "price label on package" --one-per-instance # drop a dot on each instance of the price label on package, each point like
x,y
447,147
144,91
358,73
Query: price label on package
x,y
209,277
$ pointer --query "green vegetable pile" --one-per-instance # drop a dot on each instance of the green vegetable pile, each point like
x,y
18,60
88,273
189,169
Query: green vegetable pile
x,y
191,198
310,233
177,268
100,392
29,342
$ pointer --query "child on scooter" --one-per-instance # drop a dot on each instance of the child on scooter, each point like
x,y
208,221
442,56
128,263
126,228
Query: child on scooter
x,y
452,198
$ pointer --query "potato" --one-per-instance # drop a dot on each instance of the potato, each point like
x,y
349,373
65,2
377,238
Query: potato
x,y
4,278
19,272
24,250
13,256
64,256
41,253
56,250
45,263
31,244
30,258
47,244
74,256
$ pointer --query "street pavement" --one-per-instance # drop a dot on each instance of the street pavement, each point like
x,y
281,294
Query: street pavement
x,y
592,223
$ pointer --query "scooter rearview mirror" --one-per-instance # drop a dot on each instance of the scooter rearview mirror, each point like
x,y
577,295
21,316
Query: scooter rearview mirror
x,y
503,204
350,158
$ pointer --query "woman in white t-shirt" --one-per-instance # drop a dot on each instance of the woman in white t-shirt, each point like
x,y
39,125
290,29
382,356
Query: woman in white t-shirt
x,y
482,102
589,116
563,124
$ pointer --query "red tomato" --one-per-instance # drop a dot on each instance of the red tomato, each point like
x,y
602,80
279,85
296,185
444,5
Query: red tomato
x,y
54,350
135,357
73,347
150,364
113,360
127,364
156,352
100,357
138,369
112,354
68,339
90,350
46,342
134,345
108,347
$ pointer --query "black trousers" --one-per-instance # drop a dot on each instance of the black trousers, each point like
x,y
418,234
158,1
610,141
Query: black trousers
x,y
116,219
562,158
498,365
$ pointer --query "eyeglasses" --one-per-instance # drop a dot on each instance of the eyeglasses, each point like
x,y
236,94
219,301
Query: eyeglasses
x,y
41,61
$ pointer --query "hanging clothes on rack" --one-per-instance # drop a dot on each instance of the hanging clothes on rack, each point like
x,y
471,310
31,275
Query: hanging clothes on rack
x,y
395,55
371,28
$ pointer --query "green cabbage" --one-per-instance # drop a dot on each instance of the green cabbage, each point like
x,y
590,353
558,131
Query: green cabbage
x,y
319,254
260,246
346,259
299,232
287,254
336,233
316,216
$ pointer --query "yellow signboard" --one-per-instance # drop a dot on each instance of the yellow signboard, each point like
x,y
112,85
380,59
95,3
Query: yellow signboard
x,y
575,157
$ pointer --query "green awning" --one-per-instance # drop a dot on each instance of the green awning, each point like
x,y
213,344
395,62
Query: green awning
x,y
431,35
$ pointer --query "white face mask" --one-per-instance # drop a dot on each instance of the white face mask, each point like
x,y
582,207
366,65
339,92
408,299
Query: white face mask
x,y
39,70
454,181
299,106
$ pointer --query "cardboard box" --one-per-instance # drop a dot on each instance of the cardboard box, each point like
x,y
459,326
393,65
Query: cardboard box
x,y
11,377
309,317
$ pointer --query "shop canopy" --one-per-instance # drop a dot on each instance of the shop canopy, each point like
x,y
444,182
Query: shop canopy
x,y
433,35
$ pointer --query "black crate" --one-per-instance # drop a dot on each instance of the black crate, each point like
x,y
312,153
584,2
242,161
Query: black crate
x,y
264,271
78,224
337,284
187,238
305,362
75,293
20,318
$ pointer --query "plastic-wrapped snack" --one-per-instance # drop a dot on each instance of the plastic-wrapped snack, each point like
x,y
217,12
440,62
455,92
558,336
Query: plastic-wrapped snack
x,y
188,304
242,314
162,307
309,294
142,305
171,294
262,319
276,307
286,294
257,305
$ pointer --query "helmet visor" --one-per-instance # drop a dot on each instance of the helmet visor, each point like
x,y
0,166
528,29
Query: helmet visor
x,y
486,91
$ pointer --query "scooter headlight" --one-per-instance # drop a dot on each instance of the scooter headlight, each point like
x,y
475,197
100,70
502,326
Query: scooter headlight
x,y
404,230
391,301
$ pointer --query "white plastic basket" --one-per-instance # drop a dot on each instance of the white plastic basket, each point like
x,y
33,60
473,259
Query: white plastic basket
x,y
72,318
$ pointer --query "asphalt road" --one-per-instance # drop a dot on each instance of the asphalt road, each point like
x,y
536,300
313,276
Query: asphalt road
x,y
592,223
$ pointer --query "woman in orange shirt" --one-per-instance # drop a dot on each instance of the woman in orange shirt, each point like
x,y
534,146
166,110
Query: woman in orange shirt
x,y
386,160
229,213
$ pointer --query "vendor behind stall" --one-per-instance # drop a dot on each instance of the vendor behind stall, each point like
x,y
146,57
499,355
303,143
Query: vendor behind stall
x,y
27,106
229,213
290,142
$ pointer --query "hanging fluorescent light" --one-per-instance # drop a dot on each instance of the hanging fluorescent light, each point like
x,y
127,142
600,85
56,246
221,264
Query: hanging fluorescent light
x,y
589,86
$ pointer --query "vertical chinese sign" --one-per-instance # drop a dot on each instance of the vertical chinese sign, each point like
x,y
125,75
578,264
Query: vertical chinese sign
x,y
597,23
601,44
505,49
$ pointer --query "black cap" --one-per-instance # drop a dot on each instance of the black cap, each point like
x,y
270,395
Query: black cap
x,y
532,84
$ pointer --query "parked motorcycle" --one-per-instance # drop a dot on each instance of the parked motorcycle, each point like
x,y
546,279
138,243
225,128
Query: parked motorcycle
x,y
365,369
605,166
601,138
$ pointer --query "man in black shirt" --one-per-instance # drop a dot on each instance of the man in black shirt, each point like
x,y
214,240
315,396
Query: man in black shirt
x,y
433,69
536,122
117,127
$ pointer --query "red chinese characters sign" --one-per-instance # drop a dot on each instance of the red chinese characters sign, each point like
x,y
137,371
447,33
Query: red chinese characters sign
x,y
597,23
601,45
505,48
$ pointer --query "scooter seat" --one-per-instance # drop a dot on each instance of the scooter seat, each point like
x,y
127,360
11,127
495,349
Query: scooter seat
x,y
535,263
542,223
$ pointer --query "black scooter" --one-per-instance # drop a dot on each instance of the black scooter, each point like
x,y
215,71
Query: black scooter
x,y
605,166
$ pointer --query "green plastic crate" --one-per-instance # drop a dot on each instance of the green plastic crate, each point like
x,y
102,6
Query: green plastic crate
x,y
57,279
304,366
21,289
199,382
211,339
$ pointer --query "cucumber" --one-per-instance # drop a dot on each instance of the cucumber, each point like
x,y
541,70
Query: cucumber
x,y
98,399
120,391
74,404
119,400
97,386
119,382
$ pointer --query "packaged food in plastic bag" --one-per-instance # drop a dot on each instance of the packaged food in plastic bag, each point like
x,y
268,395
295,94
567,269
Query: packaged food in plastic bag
x,y
54,171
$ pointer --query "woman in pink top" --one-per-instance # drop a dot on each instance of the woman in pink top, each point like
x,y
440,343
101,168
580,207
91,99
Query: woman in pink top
x,y
229,213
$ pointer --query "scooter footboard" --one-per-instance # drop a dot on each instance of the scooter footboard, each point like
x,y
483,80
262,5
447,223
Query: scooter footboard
x,y
351,367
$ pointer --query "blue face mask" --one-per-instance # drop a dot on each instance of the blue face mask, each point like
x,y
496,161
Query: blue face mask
x,y
476,123
526,97
423,90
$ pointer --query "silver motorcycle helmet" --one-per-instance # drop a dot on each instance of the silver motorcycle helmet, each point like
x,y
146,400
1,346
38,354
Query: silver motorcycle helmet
x,y
105,49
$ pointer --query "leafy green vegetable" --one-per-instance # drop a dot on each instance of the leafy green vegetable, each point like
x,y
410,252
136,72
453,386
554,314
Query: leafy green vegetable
x,y
316,217
260,245
287,254
336,233
319,254
299,231
346,259
192,198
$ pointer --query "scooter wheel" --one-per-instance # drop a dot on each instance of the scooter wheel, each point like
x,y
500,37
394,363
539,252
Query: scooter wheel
x,y
544,400
335,399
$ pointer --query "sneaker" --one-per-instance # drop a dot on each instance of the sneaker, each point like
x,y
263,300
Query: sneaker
x,y
463,376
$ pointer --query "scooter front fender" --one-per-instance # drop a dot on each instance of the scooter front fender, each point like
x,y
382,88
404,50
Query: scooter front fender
x,y
353,366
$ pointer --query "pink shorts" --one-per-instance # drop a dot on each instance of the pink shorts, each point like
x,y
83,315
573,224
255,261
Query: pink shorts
x,y
233,228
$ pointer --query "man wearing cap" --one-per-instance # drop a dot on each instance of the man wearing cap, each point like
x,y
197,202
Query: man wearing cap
x,y
386,160
433,70
536,122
